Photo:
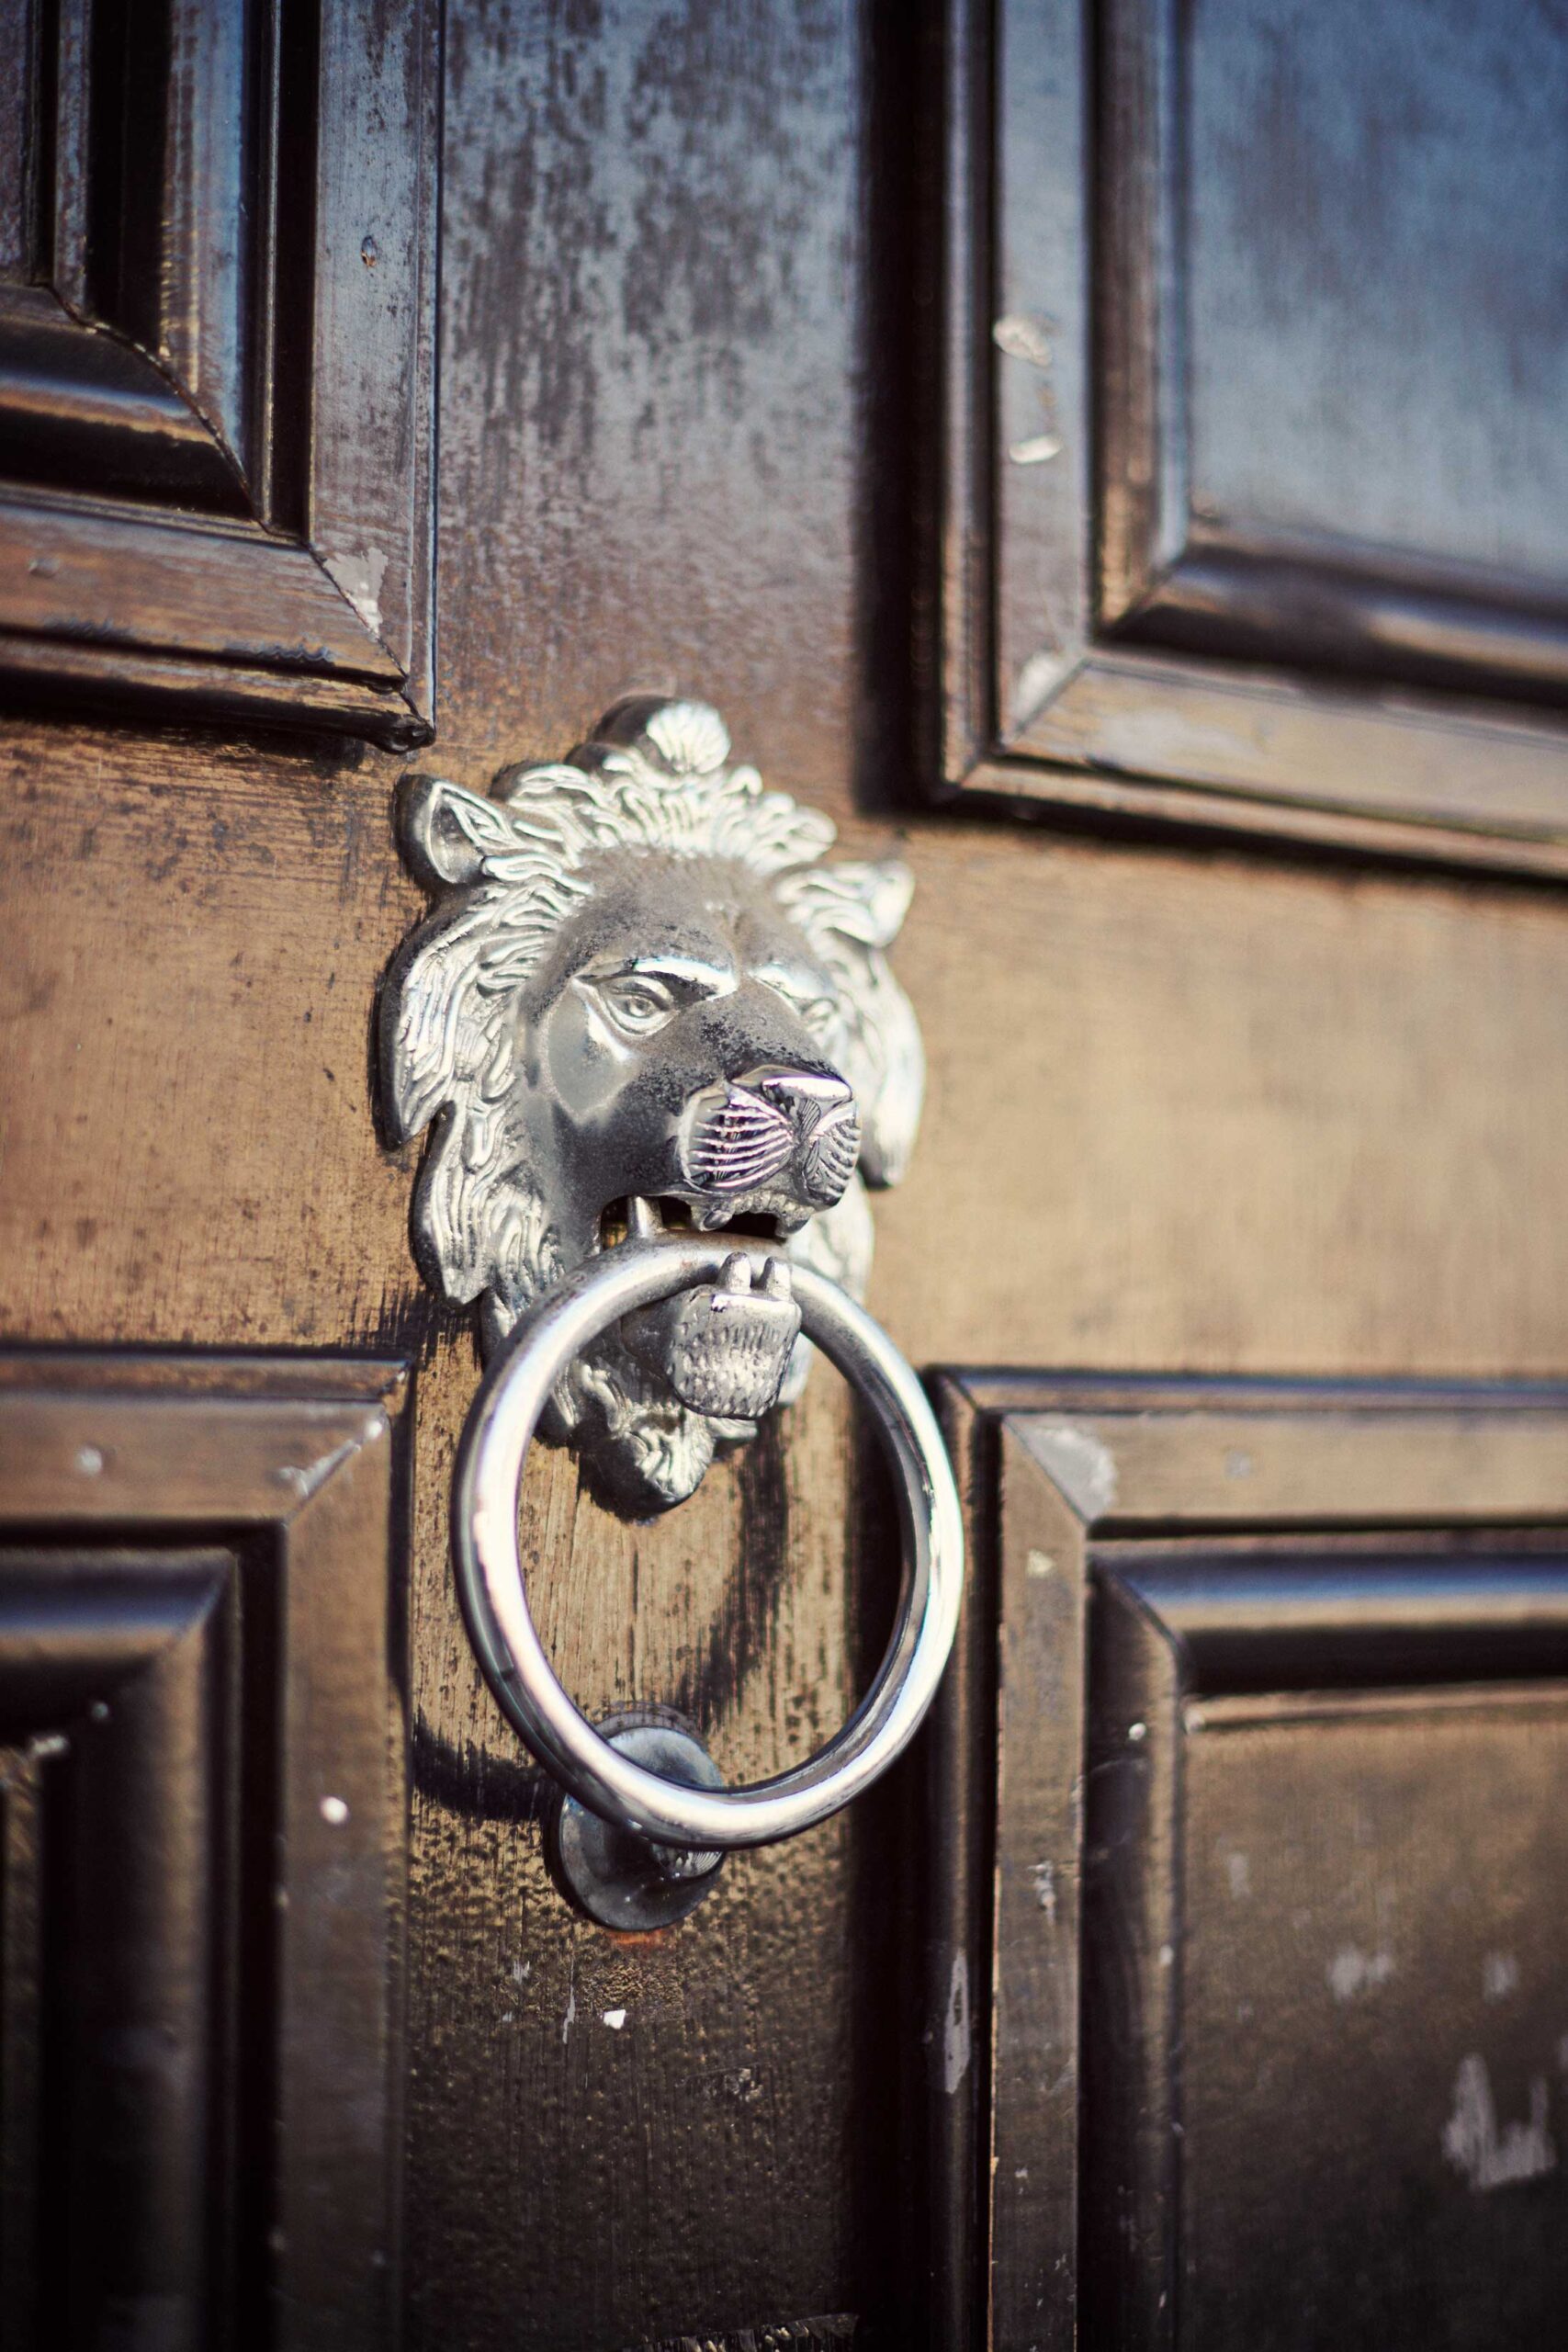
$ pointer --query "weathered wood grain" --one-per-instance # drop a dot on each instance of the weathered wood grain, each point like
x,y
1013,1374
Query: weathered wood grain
x,y
1188,1110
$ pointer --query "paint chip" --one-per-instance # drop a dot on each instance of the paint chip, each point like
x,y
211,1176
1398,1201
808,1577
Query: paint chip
x,y
1351,1972
335,1811
1081,1463
1023,337
1490,2157
956,2032
614,2019
359,577
1499,1975
1036,451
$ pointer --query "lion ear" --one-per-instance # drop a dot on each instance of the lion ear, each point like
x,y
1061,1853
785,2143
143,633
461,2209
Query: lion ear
x,y
449,834
863,901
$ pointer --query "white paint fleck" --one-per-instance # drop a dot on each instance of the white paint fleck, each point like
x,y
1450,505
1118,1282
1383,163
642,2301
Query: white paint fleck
x,y
1038,450
521,1971
1044,1877
570,2017
335,1812
1023,337
1166,1955
1137,1733
1237,1464
1039,1565
1352,1971
1238,1870
614,2019
1082,1465
1499,1975
89,1461
1473,2145
957,2028
359,577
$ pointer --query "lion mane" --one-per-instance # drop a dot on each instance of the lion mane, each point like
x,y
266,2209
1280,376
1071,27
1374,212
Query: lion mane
x,y
510,872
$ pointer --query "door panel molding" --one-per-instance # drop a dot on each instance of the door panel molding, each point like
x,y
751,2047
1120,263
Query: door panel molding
x,y
216,367
201,1716
1162,1566
1109,643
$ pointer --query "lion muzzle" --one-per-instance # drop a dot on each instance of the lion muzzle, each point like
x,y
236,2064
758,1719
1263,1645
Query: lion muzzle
x,y
775,1140
723,1348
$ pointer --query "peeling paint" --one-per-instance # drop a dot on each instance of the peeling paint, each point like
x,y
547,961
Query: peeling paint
x,y
957,2028
360,577
1499,1975
1473,2145
1352,1971
1037,680
1038,450
614,2019
1023,337
1044,1875
1082,1466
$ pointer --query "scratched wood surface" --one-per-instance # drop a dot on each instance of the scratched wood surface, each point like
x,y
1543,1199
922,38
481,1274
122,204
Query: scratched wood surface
x,y
1187,1110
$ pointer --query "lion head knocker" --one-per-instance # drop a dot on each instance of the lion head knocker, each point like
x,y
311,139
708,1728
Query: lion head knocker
x,y
641,997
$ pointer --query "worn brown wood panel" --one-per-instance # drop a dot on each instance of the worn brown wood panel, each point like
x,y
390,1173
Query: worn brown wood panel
x,y
1251,1118
1186,1111
1371,2023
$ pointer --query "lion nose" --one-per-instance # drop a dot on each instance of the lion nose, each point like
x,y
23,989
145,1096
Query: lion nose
x,y
793,1129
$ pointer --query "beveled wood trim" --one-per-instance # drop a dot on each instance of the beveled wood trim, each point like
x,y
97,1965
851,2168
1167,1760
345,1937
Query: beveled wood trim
x,y
1085,621
233,595
294,1459
174,1372
115,1688
1407,759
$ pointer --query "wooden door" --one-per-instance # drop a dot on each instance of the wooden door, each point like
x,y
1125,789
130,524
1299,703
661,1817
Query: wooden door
x,y
1109,455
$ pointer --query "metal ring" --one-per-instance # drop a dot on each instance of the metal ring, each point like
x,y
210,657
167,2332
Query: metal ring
x,y
485,1497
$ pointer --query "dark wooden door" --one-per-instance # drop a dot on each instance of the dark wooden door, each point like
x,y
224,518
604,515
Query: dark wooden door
x,y
1111,456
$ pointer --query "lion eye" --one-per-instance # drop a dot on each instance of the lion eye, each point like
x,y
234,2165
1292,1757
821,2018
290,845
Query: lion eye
x,y
820,1016
637,1005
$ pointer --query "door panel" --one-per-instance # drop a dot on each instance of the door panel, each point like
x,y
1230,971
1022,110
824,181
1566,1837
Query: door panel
x,y
1250,488
1254,1681
201,1719
217,317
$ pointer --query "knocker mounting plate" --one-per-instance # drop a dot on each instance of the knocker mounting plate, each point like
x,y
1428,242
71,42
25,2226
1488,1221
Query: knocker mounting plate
x,y
642,1002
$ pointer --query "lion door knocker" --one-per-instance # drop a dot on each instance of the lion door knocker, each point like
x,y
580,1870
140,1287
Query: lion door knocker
x,y
659,1056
